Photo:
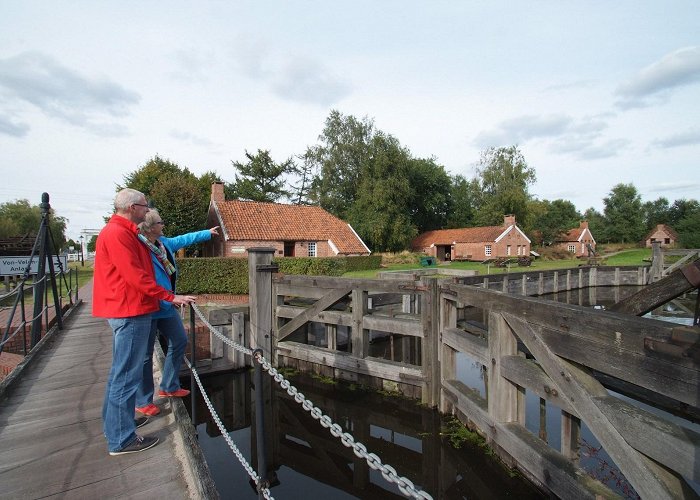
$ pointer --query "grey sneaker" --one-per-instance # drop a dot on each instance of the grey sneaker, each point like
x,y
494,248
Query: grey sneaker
x,y
141,443
140,421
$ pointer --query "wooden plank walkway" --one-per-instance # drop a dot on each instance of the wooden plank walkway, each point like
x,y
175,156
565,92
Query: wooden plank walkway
x,y
51,441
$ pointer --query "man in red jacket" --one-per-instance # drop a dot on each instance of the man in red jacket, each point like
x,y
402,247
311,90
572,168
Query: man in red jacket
x,y
125,292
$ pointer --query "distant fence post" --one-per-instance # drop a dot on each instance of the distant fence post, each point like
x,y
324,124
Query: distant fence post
x,y
657,262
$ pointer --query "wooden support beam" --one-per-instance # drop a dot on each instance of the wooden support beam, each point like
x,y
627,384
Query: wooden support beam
x,y
573,386
658,293
309,313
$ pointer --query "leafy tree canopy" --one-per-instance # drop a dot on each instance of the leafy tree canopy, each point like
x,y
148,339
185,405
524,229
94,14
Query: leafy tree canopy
x,y
504,178
181,198
688,229
342,157
549,219
464,196
19,218
624,219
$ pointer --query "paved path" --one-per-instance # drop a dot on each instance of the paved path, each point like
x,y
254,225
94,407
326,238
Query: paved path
x,y
51,441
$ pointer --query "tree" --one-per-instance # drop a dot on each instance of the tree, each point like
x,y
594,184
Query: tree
x,y
180,204
154,170
341,159
688,229
380,213
19,218
261,179
596,223
505,178
92,244
181,198
464,197
656,212
300,192
624,219
430,202
554,218
681,209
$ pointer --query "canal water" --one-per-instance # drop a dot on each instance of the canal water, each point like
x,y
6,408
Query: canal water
x,y
418,442
310,463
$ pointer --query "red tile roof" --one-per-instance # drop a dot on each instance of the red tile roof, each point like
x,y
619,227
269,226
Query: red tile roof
x,y
462,235
256,221
662,228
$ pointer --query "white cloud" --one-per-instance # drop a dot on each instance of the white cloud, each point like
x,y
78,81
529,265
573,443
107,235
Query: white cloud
x,y
11,127
295,78
687,138
59,92
676,69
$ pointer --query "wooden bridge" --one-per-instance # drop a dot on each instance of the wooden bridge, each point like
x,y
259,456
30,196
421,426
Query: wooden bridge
x,y
561,352
51,441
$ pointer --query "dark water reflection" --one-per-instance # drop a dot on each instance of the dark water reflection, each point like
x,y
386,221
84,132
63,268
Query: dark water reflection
x,y
310,463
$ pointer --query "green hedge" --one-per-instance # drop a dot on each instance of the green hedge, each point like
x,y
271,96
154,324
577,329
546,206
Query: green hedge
x,y
230,275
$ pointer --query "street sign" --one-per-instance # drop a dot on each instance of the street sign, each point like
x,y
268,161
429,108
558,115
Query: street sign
x,y
12,266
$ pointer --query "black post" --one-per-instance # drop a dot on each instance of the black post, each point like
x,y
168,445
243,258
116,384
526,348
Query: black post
x,y
41,272
82,257
193,383
56,302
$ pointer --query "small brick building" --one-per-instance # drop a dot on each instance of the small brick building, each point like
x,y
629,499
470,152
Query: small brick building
x,y
576,240
662,233
474,243
292,230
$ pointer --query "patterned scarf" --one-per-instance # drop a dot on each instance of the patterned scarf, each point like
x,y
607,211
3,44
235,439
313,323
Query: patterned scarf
x,y
159,252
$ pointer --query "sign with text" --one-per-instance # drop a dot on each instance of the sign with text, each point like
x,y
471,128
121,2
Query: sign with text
x,y
12,266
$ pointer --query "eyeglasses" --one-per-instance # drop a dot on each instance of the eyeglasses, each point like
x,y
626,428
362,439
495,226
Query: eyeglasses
x,y
139,205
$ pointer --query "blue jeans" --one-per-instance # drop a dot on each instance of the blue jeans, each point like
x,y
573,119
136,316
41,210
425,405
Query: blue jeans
x,y
130,336
172,329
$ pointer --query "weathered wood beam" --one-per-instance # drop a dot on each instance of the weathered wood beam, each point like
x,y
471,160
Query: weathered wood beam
x,y
575,386
538,460
475,347
658,293
322,304
375,367
660,439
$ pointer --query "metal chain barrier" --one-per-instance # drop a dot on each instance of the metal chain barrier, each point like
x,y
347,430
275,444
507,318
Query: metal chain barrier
x,y
388,472
248,468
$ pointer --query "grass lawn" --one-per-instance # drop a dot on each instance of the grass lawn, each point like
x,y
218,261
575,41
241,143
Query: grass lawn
x,y
632,257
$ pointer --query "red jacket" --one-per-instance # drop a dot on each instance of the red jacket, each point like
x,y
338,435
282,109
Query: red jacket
x,y
124,283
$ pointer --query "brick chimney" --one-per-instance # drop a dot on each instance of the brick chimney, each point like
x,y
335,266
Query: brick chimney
x,y
508,220
217,192
584,224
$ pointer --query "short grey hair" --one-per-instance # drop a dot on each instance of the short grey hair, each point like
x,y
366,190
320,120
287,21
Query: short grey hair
x,y
151,217
127,197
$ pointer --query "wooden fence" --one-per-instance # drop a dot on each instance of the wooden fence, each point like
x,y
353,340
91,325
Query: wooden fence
x,y
555,350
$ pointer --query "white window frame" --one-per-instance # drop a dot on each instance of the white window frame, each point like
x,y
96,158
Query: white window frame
x,y
487,251
508,250
571,248
312,249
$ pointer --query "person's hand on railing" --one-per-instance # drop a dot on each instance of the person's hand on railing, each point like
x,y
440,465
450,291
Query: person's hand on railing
x,y
214,231
182,300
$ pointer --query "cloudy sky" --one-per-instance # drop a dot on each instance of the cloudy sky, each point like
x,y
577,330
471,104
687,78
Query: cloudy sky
x,y
594,93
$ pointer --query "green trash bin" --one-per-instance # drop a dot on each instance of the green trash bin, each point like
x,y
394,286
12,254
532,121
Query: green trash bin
x,y
427,261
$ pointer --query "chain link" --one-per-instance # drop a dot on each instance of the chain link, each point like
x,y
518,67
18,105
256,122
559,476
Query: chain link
x,y
248,468
405,485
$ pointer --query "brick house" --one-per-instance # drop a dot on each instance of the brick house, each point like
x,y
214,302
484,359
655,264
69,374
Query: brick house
x,y
662,233
292,230
576,240
474,243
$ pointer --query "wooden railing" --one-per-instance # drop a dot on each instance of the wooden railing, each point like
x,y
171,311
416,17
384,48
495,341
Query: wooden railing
x,y
558,352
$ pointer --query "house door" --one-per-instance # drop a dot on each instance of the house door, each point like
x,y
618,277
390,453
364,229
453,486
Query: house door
x,y
289,249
